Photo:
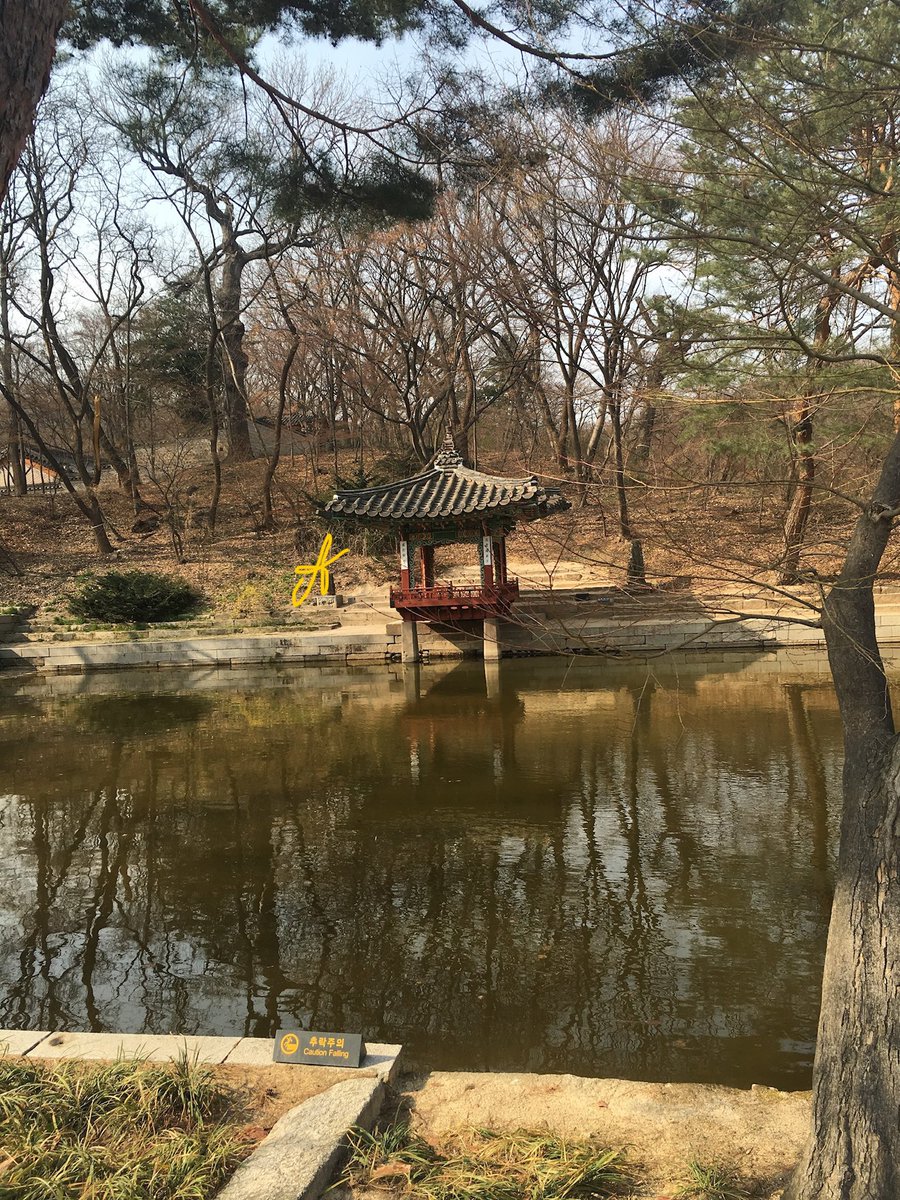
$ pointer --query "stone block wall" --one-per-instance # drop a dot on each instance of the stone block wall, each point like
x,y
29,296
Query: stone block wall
x,y
590,634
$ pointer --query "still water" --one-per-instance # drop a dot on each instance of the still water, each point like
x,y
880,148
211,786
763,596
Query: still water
x,y
567,866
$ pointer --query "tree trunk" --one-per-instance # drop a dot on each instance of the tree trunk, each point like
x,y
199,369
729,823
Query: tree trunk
x,y
646,429
596,434
234,356
268,518
615,413
574,433
636,574
27,46
97,522
801,501
894,301
562,440
802,437
126,470
216,495
14,435
854,1151
16,454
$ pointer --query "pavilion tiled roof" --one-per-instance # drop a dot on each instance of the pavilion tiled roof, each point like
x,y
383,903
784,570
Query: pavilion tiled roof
x,y
448,491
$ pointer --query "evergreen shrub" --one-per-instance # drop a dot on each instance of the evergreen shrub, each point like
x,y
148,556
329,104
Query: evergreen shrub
x,y
130,597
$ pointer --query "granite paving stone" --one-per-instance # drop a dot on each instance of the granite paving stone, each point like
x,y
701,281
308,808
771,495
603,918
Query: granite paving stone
x,y
380,1060
300,1155
154,1047
21,1041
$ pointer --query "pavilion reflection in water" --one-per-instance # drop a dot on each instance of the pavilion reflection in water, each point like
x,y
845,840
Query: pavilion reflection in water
x,y
453,704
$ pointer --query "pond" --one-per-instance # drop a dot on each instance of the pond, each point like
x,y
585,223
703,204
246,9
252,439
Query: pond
x,y
583,866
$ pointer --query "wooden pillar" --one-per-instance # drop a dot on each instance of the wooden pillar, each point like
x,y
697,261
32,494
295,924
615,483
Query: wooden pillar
x,y
428,566
487,561
404,563
500,559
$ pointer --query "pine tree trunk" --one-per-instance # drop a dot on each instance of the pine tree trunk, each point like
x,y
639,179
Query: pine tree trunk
x,y
646,429
27,46
268,518
854,1149
802,438
801,501
234,356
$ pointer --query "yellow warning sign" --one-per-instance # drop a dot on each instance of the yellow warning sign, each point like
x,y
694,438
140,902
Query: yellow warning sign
x,y
290,1043
317,1049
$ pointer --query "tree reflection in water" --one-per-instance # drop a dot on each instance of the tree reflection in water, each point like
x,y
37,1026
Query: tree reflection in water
x,y
592,867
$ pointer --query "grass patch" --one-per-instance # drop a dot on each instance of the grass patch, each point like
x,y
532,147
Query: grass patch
x,y
115,1131
484,1165
711,1182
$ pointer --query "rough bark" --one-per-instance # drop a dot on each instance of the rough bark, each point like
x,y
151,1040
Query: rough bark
x,y
856,1112
126,471
636,574
646,429
615,412
234,356
894,301
802,439
801,501
27,46
213,417
14,434
268,518
854,1150
15,452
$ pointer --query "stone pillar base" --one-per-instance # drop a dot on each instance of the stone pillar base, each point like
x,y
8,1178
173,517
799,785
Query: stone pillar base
x,y
491,639
409,642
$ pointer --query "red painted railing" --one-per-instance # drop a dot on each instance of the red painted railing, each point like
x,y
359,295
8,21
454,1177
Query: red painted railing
x,y
450,595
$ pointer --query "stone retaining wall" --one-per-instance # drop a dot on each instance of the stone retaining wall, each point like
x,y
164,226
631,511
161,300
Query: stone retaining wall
x,y
528,635
317,647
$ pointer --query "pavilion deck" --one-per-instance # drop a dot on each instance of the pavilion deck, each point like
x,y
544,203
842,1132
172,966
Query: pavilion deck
x,y
460,602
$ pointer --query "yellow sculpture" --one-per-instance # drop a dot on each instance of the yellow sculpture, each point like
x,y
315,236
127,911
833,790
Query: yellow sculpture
x,y
314,570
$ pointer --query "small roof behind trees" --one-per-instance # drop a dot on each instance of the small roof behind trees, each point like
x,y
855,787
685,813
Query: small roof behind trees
x,y
449,493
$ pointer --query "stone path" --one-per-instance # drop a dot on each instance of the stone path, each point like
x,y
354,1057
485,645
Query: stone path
x,y
249,1052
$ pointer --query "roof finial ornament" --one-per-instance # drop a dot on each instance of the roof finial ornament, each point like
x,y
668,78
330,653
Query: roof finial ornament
x,y
447,457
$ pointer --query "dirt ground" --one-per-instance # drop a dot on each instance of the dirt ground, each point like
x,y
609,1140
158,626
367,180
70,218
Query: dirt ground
x,y
663,1126
694,535
267,1093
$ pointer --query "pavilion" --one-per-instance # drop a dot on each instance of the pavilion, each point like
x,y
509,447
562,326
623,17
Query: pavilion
x,y
450,503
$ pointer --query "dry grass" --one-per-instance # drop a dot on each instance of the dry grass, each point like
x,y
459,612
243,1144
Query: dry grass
x,y
484,1165
116,1131
712,1182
